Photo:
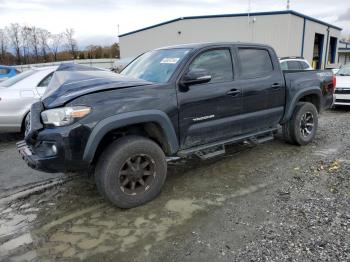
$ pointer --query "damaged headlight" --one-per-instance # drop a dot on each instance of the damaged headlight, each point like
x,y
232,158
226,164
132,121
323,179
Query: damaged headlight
x,y
65,115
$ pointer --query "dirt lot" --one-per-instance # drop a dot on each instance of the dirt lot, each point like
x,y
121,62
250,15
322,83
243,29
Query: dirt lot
x,y
272,202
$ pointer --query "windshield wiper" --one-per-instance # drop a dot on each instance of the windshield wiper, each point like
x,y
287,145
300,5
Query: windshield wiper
x,y
344,74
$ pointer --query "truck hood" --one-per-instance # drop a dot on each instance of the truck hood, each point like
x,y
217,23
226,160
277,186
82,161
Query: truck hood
x,y
343,81
72,80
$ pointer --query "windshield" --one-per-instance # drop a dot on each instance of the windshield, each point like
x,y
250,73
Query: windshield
x,y
156,66
344,71
17,78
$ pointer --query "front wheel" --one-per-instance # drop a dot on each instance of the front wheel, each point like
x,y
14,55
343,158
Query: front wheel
x,y
131,171
301,128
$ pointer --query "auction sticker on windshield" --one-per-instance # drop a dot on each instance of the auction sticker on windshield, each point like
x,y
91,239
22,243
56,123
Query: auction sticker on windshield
x,y
170,60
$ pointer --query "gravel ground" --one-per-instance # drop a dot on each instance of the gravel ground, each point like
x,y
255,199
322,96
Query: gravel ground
x,y
274,202
311,219
304,215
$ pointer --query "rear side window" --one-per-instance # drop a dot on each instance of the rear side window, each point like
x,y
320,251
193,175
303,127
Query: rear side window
x,y
293,65
45,82
254,62
217,62
303,65
4,71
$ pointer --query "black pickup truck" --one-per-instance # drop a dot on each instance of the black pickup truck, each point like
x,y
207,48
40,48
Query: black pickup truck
x,y
169,103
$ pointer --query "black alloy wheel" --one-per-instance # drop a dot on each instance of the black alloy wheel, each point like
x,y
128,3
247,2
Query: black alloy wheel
x,y
306,124
137,174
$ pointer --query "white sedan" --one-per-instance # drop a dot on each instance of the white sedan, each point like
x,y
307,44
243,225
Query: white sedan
x,y
342,90
18,93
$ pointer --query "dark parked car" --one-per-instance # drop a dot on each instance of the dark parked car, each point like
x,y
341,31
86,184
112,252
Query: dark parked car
x,y
169,103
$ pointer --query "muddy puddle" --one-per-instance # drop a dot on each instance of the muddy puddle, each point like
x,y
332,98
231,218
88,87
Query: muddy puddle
x,y
73,222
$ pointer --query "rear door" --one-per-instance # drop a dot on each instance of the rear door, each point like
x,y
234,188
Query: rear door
x,y
263,88
209,112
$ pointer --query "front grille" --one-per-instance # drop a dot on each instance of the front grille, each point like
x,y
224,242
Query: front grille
x,y
342,91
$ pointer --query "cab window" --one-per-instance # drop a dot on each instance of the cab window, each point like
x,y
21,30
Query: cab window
x,y
217,62
254,63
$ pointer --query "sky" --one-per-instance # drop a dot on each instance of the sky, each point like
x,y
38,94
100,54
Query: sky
x,y
96,21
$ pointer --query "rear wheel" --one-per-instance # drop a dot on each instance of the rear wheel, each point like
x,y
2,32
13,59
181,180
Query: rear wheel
x,y
301,128
131,171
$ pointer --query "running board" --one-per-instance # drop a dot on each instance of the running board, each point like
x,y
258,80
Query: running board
x,y
256,138
204,156
172,158
260,140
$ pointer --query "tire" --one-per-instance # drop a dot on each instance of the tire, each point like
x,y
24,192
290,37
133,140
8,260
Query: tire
x,y
25,124
286,134
302,127
122,163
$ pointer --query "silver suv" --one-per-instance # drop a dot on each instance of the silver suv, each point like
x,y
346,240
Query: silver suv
x,y
294,63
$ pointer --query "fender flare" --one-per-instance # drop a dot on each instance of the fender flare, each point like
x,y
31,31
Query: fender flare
x,y
296,97
130,118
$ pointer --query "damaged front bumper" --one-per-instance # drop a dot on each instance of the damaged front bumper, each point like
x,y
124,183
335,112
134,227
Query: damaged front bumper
x,y
46,164
53,150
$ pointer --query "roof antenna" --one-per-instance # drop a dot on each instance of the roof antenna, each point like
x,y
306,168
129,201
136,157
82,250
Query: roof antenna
x,y
288,4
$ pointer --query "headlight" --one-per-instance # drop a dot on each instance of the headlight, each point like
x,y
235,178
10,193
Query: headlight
x,y
65,115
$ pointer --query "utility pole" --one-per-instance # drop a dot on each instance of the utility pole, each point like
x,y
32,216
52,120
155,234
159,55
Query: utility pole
x,y
288,4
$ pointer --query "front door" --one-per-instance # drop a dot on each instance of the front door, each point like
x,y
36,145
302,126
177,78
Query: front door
x,y
209,112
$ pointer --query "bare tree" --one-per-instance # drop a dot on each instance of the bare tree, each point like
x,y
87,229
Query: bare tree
x,y
44,36
71,42
91,50
14,34
55,44
3,45
26,35
35,41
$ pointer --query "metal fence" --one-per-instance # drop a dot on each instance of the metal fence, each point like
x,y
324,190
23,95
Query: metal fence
x,y
105,63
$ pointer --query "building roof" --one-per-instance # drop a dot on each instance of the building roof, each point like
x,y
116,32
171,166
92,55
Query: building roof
x,y
235,15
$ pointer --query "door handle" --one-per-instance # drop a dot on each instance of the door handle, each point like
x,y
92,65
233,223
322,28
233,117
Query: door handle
x,y
233,92
276,86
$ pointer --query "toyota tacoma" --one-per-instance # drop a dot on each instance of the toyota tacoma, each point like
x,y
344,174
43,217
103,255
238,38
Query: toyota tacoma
x,y
169,103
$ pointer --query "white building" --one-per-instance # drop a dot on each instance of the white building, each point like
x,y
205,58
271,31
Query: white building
x,y
289,32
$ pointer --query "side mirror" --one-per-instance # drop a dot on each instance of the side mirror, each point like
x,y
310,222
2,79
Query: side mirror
x,y
196,76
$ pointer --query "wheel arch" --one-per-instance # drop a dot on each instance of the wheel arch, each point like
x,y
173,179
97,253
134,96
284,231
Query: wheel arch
x,y
312,95
156,125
